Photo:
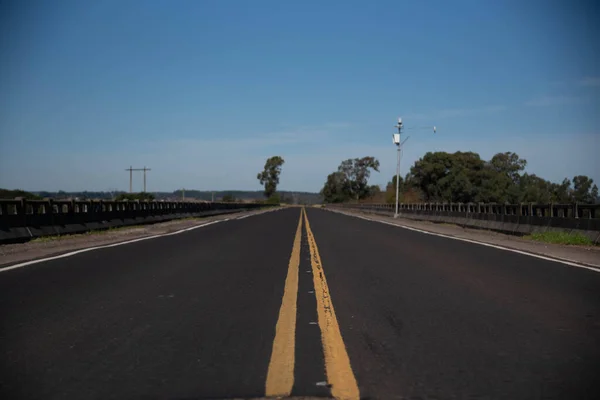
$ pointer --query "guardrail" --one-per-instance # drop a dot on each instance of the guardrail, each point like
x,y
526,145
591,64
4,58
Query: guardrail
x,y
21,220
532,209
517,219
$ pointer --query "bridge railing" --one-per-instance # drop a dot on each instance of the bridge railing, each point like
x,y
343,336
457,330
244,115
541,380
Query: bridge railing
x,y
524,209
517,219
20,218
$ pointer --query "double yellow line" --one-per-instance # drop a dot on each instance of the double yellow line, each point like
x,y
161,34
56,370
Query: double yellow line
x,y
280,375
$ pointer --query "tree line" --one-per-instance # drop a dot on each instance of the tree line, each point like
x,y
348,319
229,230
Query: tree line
x,y
458,177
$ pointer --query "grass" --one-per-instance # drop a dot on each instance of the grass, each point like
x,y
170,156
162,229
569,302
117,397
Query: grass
x,y
560,238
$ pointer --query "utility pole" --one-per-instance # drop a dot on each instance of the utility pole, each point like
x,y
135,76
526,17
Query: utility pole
x,y
399,144
130,178
131,169
145,169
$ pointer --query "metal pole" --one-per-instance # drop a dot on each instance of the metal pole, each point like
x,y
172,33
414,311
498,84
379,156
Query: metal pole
x,y
397,182
144,179
130,178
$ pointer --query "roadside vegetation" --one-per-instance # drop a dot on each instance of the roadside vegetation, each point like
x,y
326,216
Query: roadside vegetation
x,y
142,196
269,177
12,194
457,177
561,238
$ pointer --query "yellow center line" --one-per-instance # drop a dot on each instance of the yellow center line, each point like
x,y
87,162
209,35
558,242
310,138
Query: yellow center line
x,y
337,363
280,375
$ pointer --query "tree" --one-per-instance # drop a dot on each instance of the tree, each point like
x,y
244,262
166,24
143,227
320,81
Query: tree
x,y
269,177
459,177
561,193
392,185
274,199
533,189
12,194
142,196
442,176
508,164
356,174
584,190
350,181
336,189
501,179
228,198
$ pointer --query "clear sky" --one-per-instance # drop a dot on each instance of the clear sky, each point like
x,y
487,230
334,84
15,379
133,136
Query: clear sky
x,y
203,92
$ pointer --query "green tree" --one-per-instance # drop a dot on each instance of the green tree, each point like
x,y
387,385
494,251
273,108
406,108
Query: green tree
x,y
442,176
356,175
460,177
12,194
508,164
533,189
269,177
228,198
350,181
561,193
274,199
142,196
500,180
584,190
336,188
392,185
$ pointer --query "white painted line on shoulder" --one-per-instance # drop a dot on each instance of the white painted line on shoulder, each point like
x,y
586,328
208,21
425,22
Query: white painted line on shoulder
x,y
72,253
258,213
495,246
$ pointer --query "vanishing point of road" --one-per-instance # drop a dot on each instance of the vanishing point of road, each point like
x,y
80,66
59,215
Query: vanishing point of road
x,y
299,302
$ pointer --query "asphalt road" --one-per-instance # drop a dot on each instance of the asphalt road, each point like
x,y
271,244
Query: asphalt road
x,y
320,304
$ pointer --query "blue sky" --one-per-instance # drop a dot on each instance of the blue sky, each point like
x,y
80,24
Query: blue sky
x,y
203,92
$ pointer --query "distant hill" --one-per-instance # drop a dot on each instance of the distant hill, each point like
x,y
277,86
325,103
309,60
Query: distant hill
x,y
286,196
238,195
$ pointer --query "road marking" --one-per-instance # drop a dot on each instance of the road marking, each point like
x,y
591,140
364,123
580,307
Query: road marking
x,y
72,253
280,375
337,363
257,213
495,246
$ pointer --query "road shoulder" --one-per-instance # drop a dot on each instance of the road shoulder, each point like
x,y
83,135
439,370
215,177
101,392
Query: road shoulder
x,y
48,247
583,255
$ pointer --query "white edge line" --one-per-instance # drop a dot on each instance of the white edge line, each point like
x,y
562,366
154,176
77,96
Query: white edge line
x,y
72,253
495,246
258,213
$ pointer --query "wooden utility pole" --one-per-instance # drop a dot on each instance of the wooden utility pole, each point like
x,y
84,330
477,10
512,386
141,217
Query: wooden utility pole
x,y
131,169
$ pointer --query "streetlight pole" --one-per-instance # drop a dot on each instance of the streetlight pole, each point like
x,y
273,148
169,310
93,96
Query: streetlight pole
x,y
399,144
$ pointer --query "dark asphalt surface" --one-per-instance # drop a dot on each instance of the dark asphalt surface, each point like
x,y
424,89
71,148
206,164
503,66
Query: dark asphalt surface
x,y
192,316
